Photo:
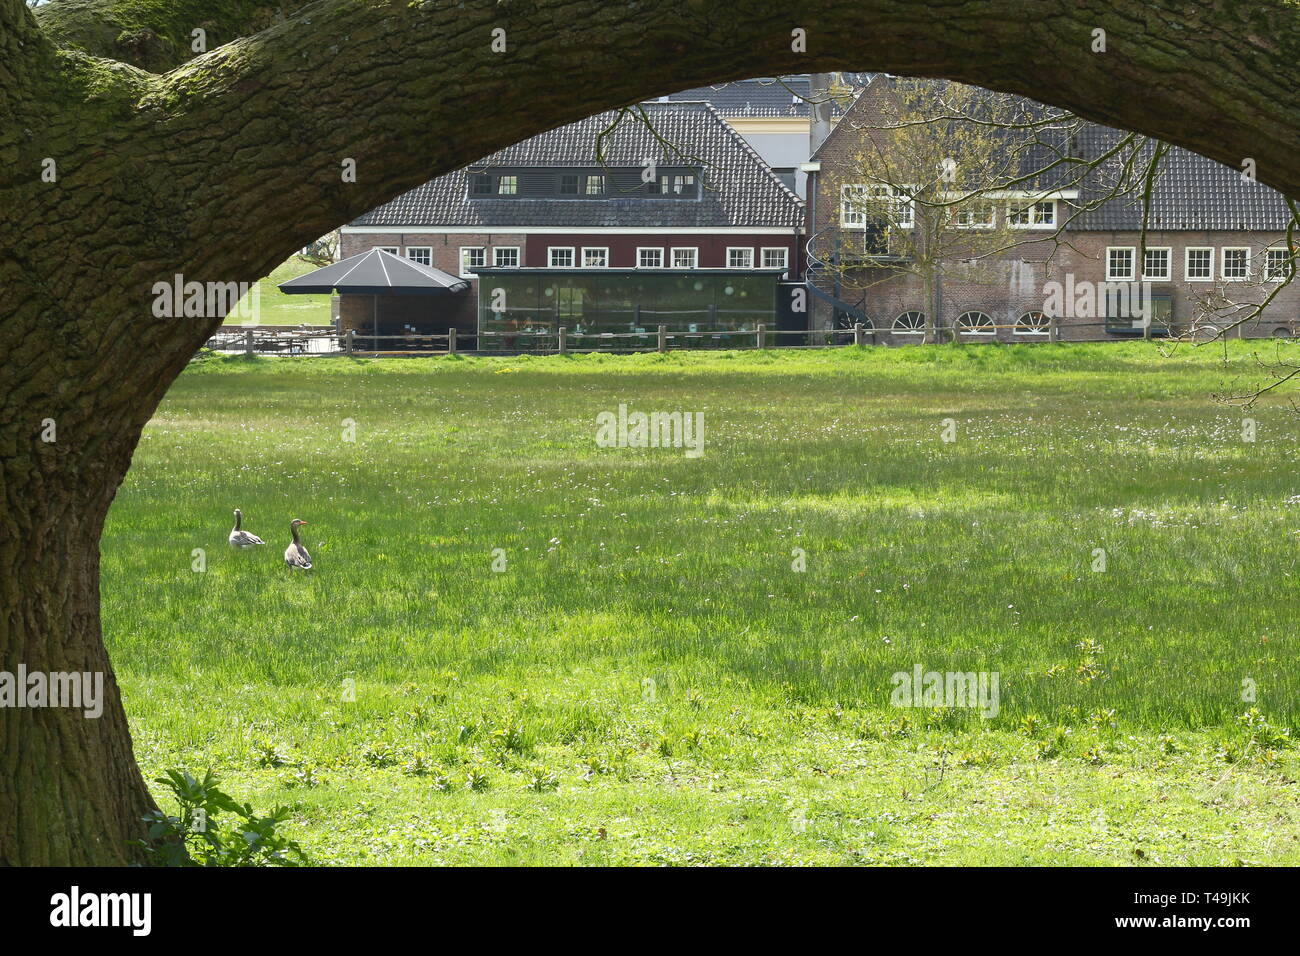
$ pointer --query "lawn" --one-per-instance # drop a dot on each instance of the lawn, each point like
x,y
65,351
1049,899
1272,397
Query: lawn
x,y
650,680
276,308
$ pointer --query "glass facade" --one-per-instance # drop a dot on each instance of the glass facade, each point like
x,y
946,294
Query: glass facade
x,y
524,308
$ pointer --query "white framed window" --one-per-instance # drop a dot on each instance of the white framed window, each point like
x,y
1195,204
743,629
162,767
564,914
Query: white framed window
x,y
506,257
421,254
471,257
1033,323
860,203
911,322
682,184
686,257
1235,263
507,185
775,257
852,212
596,185
1277,264
560,257
1157,264
1120,263
647,258
974,215
393,250
595,257
1198,263
1039,214
739,257
975,323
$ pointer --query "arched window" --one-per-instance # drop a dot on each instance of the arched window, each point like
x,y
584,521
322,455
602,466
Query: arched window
x,y
910,323
1033,323
974,323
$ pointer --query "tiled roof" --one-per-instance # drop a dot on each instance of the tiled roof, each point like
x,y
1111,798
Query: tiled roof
x,y
739,188
1190,193
766,96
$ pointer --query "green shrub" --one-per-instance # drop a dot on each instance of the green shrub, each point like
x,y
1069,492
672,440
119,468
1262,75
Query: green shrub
x,y
204,834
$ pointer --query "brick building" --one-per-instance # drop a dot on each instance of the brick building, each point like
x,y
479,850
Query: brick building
x,y
604,226
1215,243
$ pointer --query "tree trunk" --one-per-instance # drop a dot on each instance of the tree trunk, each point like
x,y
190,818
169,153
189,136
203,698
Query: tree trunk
x,y
221,168
70,791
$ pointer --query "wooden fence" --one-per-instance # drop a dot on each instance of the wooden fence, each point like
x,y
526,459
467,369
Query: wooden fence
x,y
325,341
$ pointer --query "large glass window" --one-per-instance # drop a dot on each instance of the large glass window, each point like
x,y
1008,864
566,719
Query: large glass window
x,y
520,309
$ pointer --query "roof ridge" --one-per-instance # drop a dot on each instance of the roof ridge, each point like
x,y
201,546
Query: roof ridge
x,y
753,153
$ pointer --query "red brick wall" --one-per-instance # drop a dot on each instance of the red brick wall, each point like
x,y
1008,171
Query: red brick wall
x,y
1015,285
435,314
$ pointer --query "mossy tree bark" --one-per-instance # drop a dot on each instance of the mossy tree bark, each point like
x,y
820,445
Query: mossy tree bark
x,y
221,167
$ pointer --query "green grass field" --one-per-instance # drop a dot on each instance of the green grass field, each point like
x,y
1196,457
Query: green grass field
x,y
649,680
276,308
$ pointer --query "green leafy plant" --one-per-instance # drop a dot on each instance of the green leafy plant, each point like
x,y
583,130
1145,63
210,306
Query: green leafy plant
x,y
541,780
379,754
213,829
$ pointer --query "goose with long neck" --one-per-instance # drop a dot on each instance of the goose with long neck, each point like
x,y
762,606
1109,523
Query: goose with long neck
x,y
296,556
240,538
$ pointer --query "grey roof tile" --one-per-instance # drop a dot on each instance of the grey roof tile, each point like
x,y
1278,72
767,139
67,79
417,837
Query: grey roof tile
x,y
740,188
765,96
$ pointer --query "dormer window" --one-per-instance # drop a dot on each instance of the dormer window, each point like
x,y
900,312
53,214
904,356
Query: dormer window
x,y
595,185
507,185
480,184
672,184
569,184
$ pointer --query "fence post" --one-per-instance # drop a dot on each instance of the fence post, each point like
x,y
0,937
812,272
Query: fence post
x,y
857,334
564,341
663,338
1053,328
248,343
451,341
348,343
761,340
